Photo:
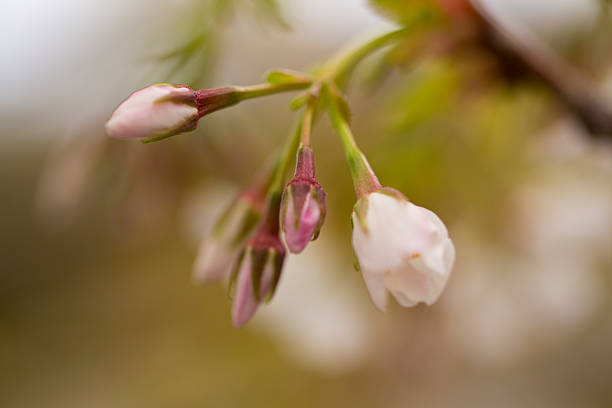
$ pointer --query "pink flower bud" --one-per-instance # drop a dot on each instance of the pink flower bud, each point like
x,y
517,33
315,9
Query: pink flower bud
x,y
303,209
155,111
164,110
401,248
256,275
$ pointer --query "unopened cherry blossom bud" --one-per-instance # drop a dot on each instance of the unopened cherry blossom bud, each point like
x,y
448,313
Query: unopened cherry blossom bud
x,y
165,110
303,208
219,249
401,248
256,275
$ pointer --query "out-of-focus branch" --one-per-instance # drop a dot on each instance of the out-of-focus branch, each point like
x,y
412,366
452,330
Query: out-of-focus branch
x,y
517,46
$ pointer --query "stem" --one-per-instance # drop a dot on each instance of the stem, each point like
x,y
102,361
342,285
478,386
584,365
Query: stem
x,y
364,179
340,66
277,180
307,124
255,91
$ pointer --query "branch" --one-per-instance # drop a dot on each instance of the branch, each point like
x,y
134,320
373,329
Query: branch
x,y
518,47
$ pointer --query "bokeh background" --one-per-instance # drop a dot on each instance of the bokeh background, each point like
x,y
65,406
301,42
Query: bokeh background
x,y
98,237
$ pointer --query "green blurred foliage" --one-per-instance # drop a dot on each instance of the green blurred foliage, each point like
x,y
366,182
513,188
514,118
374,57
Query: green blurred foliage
x,y
455,149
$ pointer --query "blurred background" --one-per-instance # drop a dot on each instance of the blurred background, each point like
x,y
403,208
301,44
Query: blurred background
x,y
97,307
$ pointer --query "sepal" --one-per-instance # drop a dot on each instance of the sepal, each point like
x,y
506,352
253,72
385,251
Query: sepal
x,y
286,76
255,275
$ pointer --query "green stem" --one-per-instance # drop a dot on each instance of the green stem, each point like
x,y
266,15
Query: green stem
x,y
307,122
364,179
340,66
277,180
255,91
274,182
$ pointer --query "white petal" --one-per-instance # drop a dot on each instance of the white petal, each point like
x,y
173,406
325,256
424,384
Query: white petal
x,y
423,278
396,229
376,287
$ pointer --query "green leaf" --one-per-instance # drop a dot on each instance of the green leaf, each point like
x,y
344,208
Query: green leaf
x,y
286,76
271,10
409,12
299,101
337,98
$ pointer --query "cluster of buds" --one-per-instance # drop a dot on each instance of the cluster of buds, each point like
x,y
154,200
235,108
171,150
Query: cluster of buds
x,y
400,248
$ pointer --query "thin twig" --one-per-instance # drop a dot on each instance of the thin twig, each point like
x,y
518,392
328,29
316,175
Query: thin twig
x,y
518,46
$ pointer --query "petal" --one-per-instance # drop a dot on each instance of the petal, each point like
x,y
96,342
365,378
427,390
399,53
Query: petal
x,y
372,276
440,258
142,116
422,279
267,277
298,238
376,286
449,255
311,214
245,305
410,284
396,229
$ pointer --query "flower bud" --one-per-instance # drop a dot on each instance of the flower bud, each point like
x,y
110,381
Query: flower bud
x,y
155,111
401,248
256,275
303,208
165,110
217,251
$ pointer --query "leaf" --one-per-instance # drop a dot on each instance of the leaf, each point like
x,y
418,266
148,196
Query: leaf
x,y
299,101
336,97
409,12
286,76
271,10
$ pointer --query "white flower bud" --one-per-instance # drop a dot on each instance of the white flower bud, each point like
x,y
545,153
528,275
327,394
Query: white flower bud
x,y
156,111
401,248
